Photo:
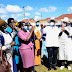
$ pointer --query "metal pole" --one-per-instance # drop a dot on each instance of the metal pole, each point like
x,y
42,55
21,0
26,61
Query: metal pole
x,y
41,15
24,12
0,18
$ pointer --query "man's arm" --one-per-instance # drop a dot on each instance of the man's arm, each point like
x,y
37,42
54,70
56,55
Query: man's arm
x,y
8,46
13,33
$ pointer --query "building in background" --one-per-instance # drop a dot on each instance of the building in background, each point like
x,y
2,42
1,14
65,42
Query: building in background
x,y
44,21
27,21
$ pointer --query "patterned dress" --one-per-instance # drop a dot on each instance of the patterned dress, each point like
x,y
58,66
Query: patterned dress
x,y
37,45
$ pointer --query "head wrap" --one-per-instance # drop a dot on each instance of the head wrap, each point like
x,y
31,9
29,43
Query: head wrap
x,y
2,23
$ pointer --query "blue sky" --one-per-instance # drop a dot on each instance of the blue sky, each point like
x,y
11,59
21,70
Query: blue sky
x,y
34,8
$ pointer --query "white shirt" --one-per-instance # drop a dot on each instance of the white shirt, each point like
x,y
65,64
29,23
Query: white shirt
x,y
7,39
51,36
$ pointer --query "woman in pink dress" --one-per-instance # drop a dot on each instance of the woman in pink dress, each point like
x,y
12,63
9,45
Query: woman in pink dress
x,y
26,49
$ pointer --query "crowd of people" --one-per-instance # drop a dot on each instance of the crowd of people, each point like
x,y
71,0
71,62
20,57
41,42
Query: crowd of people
x,y
22,44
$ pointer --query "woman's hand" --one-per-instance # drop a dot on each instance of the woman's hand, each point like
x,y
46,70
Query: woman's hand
x,y
13,43
44,26
33,28
63,28
14,26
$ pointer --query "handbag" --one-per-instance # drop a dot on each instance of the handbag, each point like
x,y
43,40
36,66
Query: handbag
x,y
5,66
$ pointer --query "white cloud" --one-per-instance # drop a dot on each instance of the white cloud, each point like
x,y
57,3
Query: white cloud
x,y
4,17
37,13
28,8
15,16
37,18
10,9
19,20
25,18
52,8
13,9
49,9
27,14
2,11
69,10
43,9
6,20
19,15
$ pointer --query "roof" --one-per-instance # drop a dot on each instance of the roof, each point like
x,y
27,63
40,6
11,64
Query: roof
x,y
58,18
44,19
27,20
64,15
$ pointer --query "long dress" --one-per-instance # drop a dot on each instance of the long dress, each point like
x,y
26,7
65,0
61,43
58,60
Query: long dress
x,y
6,46
65,49
37,44
26,50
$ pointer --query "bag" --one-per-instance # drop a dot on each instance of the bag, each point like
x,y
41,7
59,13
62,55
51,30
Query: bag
x,y
4,64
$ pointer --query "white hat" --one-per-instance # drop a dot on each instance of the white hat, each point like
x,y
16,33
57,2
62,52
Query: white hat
x,y
66,19
33,24
37,18
52,18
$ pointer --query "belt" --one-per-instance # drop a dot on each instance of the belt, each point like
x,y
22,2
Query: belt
x,y
25,42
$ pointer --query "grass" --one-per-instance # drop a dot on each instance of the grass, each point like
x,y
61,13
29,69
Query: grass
x,y
42,68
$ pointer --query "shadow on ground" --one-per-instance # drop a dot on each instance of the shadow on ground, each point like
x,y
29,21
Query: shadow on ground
x,y
44,61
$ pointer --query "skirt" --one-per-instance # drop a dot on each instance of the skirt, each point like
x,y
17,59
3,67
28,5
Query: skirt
x,y
27,56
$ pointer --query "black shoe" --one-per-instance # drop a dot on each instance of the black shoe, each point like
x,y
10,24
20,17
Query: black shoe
x,y
34,71
54,68
49,69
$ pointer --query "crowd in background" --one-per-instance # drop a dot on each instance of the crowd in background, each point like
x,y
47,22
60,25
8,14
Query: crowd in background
x,y
23,44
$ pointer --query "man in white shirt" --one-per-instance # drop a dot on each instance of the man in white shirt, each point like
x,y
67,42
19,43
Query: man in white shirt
x,y
52,43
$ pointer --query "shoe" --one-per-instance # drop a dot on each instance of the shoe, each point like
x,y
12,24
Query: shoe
x,y
54,68
49,69
69,67
34,71
61,68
